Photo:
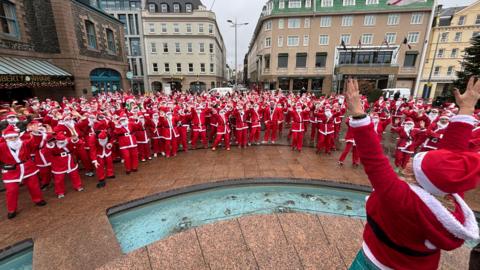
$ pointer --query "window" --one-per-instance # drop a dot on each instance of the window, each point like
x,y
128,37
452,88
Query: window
x,y
326,21
210,29
294,3
413,37
164,27
190,67
454,53
306,40
327,3
410,59
444,37
347,21
91,36
153,47
281,23
369,20
301,60
283,60
151,8
151,28
461,20
417,18
155,67
165,47
477,21
323,40
190,47
211,48
371,2
212,68
441,53
391,38
321,60
200,28
123,19
202,68
164,8
131,24
306,23
135,46
111,41
345,38
293,41
176,8
348,2
202,47
167,68
267,61
475,34
293,23
268,25
280,41
458,37
308,3
176,28
188,8
179,67
367,39
268,42
189,28
436,71
450,70
393,19
281,4
177,47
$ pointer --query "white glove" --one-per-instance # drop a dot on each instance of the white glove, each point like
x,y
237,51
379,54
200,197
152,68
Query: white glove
x,y
95,163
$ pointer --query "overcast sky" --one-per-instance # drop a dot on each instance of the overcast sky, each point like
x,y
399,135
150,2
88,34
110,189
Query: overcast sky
x,y
249,11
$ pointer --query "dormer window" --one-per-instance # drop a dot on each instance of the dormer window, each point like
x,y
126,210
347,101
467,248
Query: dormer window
x,y
188,8
151,8
176,8
164,8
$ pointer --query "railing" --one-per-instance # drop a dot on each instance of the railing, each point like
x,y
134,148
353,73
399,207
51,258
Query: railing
x,y
368,65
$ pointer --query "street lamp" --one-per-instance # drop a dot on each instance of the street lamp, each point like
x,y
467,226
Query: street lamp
x,y
236,25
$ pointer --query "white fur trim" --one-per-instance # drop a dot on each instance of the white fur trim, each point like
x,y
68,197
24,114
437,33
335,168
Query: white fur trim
x,y
467,119
467,231
429,245
360,123
421,178
371,257
10,135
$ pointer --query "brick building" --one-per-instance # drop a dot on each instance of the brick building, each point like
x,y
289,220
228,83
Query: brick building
x,y
55,48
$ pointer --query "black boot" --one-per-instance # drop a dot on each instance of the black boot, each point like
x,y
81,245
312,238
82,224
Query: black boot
x,y
41,203
112,177
12,215
101,184
44,187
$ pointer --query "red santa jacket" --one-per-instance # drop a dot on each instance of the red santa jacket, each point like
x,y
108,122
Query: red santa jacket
x,y
380,127
18,165
298,124
199,120
125,135
407,140
408,215
326,125
141,134
222,123
254,117
98,151
69,131
240,120
61,158
272,117
169,127
434,136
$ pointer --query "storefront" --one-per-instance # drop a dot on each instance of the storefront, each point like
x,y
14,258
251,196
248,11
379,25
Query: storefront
x,y
105,80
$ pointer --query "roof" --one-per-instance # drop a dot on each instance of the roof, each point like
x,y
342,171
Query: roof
x,y
195,3
448,12
22,66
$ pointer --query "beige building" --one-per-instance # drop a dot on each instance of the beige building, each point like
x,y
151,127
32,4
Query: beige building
x,y
298,44
184,47
451,35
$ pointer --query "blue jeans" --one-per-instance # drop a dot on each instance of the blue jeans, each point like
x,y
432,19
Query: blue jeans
x,y
361,262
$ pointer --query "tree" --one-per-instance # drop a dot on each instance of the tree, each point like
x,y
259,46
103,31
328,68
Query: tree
x,y
471,64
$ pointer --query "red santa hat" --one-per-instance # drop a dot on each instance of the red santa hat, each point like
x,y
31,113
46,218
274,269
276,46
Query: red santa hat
x,y
123,116
102,135
10,114
408,120
60,137
10,132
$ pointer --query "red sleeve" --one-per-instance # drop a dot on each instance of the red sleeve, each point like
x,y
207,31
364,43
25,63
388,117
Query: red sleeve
x,y
93,148
458,133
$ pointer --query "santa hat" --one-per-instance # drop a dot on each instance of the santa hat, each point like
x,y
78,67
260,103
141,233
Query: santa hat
x,y
444,116
10,132
408,120
102,135
100,125
123,116
60,137
10,114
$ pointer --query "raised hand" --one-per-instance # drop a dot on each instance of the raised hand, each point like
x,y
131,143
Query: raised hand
x,y
353,98
469,99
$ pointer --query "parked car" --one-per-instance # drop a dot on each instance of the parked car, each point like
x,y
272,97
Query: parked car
x,y
390,92
223,91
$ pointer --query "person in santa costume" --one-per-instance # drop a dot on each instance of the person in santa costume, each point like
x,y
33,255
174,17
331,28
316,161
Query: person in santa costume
x,y
223,128
349,146
143,137
18,168
124,132
411,220
156,130
326,129
169,123
101,155
184,117
435,133
11,119
272,117
407,141
241,126
199,125
298,128
254,118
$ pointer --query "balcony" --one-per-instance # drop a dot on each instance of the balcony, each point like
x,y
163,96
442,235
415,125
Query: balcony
x,y
367,69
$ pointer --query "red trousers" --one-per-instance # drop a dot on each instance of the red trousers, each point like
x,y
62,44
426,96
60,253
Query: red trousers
x,y
401,159
130,157
242,137
82,154
325,141
219,138
45,175
156,146
213,132
171,147
313,131
203,137
12,190
144,151
271,131
297,140
254,135
105,168
355,157
182,140
59,180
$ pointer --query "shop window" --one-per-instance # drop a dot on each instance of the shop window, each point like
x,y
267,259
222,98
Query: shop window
x,y
8,19
91,36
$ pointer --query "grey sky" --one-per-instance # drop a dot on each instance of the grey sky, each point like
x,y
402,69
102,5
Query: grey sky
x,y
249,11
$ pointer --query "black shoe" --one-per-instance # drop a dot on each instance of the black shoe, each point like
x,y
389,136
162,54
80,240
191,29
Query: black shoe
x,y
112,177
128,172
135,170
44,187
101,184
12,215
41,203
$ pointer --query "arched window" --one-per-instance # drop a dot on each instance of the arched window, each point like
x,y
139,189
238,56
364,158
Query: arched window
x,y
8,19
111,41
176,8
152,8
188,7
91,36
164,8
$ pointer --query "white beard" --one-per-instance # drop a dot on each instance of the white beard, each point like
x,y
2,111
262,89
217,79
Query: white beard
x,y
103,142
15,145
61,145
12,121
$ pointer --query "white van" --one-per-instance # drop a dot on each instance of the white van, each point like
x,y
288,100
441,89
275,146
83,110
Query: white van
x,y
390,92
223,91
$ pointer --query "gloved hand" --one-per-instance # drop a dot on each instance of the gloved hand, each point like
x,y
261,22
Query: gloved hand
x,y
96,164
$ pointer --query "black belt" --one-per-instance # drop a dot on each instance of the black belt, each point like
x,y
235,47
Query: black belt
x,y
382,236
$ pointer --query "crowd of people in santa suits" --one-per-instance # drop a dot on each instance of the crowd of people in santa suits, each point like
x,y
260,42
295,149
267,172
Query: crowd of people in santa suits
x,y
48,140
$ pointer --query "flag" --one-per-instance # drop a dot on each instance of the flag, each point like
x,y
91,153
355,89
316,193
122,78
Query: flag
x,y
343,45
405,41
403,2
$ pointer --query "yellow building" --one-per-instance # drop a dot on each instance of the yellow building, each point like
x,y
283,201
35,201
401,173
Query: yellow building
x,y
452,34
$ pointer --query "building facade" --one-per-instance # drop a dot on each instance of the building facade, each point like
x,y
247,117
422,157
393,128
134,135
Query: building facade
x,y
184,47
129,12
298,44
55,48
452,33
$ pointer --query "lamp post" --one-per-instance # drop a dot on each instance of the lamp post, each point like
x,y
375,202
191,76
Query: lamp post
x,y
236,25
